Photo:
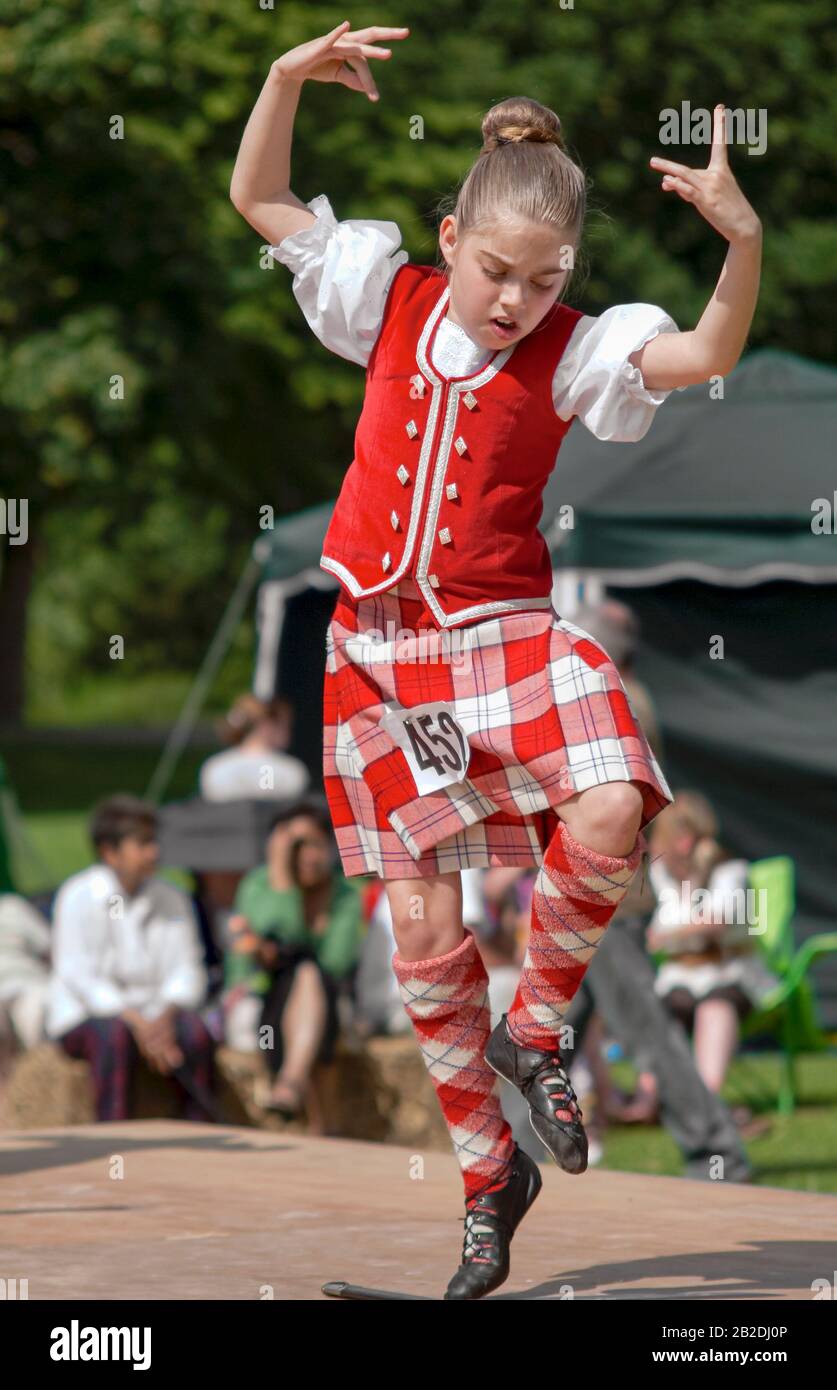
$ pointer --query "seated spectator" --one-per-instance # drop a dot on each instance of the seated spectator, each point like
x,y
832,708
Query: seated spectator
x,y
295,942
128,976
255,764
24,976
713,976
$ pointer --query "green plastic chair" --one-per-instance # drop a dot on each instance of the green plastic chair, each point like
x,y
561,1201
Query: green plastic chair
x,y
788,1012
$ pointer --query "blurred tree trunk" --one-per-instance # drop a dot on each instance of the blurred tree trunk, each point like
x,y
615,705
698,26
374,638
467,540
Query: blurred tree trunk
x,y
16,573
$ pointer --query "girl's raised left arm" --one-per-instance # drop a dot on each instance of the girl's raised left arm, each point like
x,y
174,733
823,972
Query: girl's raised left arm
x,y
714,347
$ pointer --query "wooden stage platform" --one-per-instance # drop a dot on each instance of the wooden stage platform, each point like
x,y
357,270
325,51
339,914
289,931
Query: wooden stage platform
x,y
170,1210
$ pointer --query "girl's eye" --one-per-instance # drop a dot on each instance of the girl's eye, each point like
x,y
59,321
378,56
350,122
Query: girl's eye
x,y
498,275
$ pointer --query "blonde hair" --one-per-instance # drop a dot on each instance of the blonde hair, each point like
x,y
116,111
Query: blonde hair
x,y
523,169
690,808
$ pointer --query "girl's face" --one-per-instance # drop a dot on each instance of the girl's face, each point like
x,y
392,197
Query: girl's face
x,y
678,851
514,270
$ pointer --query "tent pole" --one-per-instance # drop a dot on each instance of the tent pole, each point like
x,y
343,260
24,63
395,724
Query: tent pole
x,y
193,704
270,620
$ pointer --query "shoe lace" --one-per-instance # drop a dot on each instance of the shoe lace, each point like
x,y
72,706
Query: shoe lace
x,y
482,1228
552,1075
482,1231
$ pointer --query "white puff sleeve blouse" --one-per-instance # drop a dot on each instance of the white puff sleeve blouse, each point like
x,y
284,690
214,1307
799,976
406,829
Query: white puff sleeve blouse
x,y
342,274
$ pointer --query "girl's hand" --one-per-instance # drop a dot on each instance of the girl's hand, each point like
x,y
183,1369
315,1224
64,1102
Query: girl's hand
x,y
340,56
713,190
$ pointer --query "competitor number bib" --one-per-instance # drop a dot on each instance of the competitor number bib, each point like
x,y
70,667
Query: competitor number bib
x,y
433,742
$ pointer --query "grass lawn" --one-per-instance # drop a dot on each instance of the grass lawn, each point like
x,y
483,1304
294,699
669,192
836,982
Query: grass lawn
x,y
52,775
57,784
799,1151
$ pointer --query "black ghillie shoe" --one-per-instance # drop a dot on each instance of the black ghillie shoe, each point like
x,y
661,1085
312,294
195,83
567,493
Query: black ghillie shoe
x,y
542,1079
491,1221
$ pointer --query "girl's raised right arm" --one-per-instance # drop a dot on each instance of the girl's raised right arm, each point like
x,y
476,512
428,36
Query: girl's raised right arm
x,y
260,188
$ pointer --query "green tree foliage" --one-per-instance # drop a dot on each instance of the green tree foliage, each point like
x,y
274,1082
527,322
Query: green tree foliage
x,y
123,259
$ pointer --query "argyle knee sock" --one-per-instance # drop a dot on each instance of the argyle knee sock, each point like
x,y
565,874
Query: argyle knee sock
x,y
446,997
576,892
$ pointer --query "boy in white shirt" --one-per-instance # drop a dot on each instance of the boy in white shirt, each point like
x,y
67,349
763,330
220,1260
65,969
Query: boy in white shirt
x,y
128,971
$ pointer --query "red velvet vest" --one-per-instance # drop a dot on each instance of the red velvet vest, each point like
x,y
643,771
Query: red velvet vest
x,y
447,479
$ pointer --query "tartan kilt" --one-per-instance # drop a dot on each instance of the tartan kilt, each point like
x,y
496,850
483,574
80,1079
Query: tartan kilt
x,y
543,710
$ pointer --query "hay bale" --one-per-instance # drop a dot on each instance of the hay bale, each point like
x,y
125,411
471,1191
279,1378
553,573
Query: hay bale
x,y
377,1090
401,1080
46,1088
239,1076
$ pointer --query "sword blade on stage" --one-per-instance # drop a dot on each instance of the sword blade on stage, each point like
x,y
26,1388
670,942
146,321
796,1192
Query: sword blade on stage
x,y
199,1092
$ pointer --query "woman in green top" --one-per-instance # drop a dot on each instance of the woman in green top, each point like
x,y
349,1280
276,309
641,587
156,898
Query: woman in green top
x,y
297,931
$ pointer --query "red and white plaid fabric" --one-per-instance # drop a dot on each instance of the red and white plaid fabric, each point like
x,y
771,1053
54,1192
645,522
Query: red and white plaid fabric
x,y
546,716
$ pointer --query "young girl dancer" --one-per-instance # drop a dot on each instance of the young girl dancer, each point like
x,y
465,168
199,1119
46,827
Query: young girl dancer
x,y
467,723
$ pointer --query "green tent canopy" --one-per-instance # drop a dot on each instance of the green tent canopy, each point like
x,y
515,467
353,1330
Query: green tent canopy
x,y
292,549
718,490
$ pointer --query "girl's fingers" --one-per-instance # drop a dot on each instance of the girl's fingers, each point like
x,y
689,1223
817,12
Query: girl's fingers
x,y
355,74
668,166
328,39
359,69
718,156
377,32
369,51
349,79
675,185
367,79
366,50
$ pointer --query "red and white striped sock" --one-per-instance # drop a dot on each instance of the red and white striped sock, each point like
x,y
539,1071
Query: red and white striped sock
x,y
576,892
446,998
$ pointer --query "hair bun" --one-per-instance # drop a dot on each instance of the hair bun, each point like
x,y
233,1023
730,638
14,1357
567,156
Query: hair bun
x,y
517,120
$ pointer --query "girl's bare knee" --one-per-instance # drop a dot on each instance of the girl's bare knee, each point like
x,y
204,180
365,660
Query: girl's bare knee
x,y
607,817
426,915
